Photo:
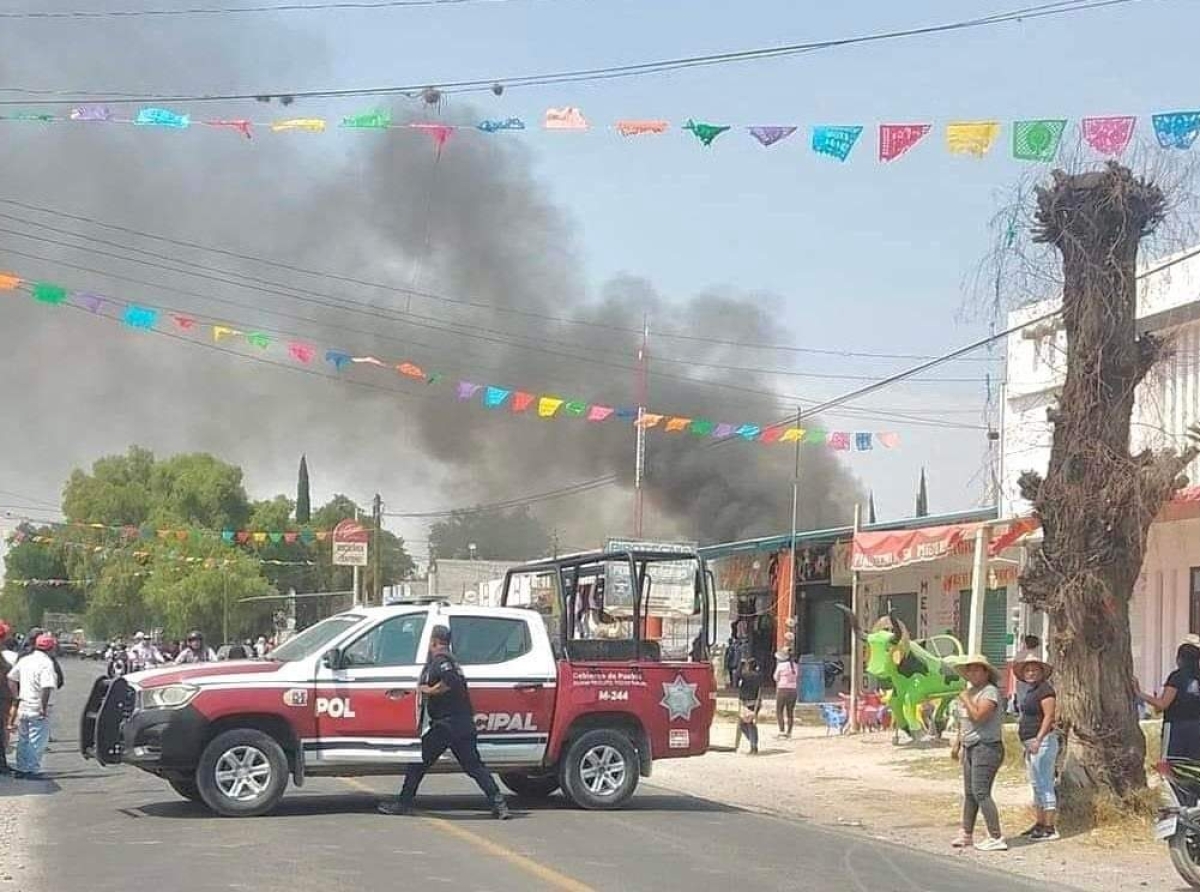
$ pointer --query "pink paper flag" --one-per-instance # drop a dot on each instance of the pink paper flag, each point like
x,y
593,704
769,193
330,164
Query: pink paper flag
x,y
522,401
301,352
184,323
677,424
648,420
896,139
599,413
1109,136
438,132
565,119
241,126
839,440
889,439
548,405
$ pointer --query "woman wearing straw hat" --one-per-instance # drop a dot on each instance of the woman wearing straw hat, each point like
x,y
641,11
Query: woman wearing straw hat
x,y
981,748
1039,709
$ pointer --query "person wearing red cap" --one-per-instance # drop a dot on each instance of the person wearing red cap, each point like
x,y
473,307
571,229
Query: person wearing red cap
x,y
32,681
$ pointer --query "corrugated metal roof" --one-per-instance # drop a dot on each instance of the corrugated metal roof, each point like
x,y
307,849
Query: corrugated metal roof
x,y
820,537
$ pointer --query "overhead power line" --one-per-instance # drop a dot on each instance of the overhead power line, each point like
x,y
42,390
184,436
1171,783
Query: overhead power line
x,y
519,501
344,5
610,72
411,292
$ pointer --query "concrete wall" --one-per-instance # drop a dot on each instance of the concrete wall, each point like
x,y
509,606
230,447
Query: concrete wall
x,y
1159,611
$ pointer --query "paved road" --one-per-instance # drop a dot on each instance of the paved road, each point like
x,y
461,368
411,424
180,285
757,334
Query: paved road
x,y
112,830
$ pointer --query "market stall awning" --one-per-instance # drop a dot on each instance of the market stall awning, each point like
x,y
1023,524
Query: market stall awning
x,y
877,552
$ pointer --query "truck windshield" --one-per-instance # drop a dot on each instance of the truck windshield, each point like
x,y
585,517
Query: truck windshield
x,y
313,640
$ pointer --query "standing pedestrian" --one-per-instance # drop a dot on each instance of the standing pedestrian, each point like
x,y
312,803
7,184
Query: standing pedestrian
x,y
786,676
732,659
980,746
32,681
196,651
749,702
6,696
1017,688
451,725
1180,705
1038,735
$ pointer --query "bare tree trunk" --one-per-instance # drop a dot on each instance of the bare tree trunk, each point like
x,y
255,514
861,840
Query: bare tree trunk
x,y
1097,500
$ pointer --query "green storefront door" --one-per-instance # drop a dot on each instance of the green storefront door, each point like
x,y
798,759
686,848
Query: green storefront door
x,y
995,633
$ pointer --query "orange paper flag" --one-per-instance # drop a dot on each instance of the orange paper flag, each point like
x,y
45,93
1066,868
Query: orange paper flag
x,y
677,424
9,281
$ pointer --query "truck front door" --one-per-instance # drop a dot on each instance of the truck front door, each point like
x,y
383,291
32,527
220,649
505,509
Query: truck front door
x,y
366,709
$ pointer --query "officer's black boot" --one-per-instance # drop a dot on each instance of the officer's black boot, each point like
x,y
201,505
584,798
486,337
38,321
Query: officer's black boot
x,y
500,808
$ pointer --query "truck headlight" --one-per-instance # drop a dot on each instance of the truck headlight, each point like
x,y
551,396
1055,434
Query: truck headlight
x,y
172,696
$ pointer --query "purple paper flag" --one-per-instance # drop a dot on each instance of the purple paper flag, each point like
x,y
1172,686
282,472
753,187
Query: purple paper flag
x,y
466,389
723,430
768,136
91,113
90,302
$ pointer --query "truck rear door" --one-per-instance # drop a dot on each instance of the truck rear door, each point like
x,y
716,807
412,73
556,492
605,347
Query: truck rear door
x,y
511,673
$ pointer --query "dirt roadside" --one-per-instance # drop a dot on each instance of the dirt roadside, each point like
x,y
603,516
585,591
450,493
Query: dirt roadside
x,y
909,796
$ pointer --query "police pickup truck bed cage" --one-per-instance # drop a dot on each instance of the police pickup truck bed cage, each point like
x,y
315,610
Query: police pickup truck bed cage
x,y
593,589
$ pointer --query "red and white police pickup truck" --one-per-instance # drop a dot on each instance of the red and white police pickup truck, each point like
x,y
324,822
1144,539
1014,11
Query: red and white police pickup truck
x,y
566,693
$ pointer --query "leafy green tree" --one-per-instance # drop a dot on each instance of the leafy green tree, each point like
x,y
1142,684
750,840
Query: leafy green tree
x,y
211,597
22,605
303,495
497,535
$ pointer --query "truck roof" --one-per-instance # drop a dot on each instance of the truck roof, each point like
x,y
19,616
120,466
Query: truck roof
x,y
449,610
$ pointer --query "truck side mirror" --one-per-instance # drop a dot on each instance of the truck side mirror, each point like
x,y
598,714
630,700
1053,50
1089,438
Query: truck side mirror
x,y
332,659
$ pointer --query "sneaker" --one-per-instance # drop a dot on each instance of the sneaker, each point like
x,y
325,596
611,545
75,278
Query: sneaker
x,y
394,807
963,840
500,809
1031,832
992,844
1046,834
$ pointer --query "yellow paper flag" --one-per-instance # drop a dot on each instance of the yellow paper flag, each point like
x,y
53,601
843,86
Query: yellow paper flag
x,y
220,331
792,435
971,137
312,125
648,420
260,538
548,405
9,281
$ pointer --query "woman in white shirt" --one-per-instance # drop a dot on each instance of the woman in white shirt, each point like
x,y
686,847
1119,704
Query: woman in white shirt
x,y
786,676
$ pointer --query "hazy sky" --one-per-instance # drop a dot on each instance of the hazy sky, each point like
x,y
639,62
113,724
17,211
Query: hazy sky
x,y
861,256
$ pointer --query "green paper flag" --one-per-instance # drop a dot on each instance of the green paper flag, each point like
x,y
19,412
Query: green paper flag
x,y
1037,140
706,133
815,435
702,427
259,340
47,293
376,120
575,408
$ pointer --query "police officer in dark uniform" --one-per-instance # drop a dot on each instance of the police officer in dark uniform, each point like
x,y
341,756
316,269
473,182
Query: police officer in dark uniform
x,y
451,726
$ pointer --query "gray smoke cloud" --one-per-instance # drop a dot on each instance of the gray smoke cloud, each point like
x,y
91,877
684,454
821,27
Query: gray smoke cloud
x,y
472,224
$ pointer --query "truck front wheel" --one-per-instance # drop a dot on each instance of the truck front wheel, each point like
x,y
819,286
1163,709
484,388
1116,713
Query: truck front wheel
x,y
600,770
243,773
530,786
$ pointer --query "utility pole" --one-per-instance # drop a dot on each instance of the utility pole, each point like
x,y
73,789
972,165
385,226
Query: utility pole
x,y
793,607
639,473
377,513
554,542
357,577
855,642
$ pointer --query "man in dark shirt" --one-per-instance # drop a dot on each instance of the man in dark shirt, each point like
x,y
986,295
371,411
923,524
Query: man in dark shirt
x,y
447,705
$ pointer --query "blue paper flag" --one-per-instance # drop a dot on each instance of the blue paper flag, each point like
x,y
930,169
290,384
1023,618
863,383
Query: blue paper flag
x,y
139,317
494,397
1177,130
626,414
227,535
493,126
837,142
161,117
749,431
863,442
338,358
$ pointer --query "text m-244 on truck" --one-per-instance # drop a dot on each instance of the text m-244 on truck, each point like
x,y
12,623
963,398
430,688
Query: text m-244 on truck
x,y
567,691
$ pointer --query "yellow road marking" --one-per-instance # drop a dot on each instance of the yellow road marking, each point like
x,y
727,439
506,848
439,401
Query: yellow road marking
x,y
547,875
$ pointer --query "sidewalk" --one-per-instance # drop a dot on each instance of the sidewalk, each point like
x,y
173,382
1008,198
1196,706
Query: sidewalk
x,y
908,795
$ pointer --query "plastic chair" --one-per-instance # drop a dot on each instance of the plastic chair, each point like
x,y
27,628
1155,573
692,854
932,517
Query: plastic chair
x,y
835,717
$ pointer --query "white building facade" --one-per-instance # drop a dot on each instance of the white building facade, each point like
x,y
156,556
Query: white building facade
x,y
1166,604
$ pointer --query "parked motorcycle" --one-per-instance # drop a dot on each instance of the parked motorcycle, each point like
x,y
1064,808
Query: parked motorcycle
x,y
1179,816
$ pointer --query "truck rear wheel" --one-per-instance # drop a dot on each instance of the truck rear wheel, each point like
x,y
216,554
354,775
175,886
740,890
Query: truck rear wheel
x,y
186,787
530,786
600,770
242,774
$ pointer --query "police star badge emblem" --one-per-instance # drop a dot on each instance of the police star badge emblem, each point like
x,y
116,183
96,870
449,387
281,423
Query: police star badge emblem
x,y
679,699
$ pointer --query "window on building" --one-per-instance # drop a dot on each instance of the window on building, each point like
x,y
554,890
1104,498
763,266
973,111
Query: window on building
x,y
1194,603
486,640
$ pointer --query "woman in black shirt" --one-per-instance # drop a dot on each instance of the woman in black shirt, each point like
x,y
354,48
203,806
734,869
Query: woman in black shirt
x,y
749,701
1039,739
1180,705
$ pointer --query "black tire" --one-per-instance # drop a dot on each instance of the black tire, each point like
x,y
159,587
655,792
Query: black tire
x,y
600,770
1184,855
530,786
253,793
186,787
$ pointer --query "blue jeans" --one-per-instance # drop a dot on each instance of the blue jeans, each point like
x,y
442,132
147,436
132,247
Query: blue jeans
x,y
1041,772
33,733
